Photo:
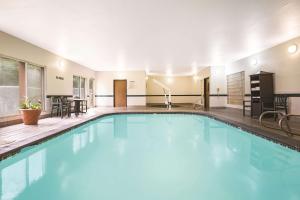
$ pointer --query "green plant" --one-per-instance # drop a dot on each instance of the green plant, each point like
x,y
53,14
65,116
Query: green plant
x,y
31,104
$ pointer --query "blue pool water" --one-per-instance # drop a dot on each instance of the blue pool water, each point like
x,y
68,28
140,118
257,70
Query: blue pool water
x,y
153,157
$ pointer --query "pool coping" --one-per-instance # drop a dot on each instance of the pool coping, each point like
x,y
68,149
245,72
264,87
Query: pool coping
x,y
14,148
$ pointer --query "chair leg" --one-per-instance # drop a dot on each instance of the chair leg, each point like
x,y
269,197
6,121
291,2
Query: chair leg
x,y
51,111
61,111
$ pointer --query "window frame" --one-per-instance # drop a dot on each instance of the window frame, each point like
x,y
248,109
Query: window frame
x,y
43,100
85,86
23,81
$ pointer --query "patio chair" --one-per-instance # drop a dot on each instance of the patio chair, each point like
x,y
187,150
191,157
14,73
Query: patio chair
x,y
55,105
83,106
280,104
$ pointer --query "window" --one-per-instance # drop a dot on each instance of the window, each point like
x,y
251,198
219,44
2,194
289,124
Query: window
x,y
17,82
235,88
9,87
34,82
78,87
82,88
91,92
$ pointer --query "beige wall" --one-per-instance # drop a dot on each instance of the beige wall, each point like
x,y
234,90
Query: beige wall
x,y
136,85
216,75
13,47
286,67
179,85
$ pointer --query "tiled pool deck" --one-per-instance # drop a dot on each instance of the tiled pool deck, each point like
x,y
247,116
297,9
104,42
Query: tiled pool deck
x,y
15,137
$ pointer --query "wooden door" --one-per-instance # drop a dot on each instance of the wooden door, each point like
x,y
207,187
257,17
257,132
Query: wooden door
x,y
120,93
206,93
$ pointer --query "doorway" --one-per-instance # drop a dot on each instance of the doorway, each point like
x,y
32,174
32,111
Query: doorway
x,y
206,93
91,92
120,93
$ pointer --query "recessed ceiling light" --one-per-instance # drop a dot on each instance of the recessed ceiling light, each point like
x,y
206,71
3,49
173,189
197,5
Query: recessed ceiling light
x,y
292,49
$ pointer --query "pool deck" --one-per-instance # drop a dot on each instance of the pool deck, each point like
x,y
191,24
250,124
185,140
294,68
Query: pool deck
x,y
14,138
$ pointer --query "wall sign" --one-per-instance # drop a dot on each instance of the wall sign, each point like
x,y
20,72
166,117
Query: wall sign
x,y
60,78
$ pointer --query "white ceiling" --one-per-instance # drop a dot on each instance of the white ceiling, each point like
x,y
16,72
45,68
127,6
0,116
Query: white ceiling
x,y
156,35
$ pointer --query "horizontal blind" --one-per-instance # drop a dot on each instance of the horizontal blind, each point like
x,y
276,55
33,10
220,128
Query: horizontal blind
x,y
236,88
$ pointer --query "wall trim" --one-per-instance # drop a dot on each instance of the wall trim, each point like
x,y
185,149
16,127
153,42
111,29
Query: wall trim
x,y
185,95
154,95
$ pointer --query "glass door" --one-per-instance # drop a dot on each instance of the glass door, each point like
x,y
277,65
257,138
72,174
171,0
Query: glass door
x,y
9,87
78,87
34,82
91,92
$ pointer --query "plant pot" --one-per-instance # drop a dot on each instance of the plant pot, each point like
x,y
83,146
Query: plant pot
x,y
30,116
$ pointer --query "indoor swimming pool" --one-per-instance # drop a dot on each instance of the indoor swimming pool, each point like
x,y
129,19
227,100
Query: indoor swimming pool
x,y
153,157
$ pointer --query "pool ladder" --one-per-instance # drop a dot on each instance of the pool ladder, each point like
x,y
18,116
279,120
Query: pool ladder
x,y
284,119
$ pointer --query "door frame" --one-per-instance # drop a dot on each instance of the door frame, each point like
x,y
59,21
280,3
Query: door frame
x,y
206,95
114,90
93,97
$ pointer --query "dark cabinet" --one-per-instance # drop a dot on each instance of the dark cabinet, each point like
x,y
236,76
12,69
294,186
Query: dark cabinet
x,y
262,92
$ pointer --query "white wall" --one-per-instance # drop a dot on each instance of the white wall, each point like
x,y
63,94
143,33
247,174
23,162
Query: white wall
x,y
216,75
179,85
104,86
286,67
18,49
217,86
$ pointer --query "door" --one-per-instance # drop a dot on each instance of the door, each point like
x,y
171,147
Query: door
x,y
91,92
78,87
206,93
120,93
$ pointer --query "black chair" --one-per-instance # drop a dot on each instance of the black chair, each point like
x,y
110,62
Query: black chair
x,y
83,105
71,107
55,105
280,103
246,104
60,106
65,107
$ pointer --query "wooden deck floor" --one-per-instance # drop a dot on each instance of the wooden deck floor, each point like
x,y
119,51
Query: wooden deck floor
x,y
16,137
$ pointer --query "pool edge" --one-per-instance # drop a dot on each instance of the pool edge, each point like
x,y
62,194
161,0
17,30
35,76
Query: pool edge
x,y
13,149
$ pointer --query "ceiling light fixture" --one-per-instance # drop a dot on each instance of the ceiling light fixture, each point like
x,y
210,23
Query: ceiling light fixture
x,y
196,78
254,62
194,68
61,65
169,72
292,49
169,79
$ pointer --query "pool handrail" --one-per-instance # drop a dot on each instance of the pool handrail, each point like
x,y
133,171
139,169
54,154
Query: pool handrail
x,y
269,112
282,118
285,119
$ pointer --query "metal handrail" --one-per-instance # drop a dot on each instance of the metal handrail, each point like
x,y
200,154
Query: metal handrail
x,y
285,119
167,92
270,112
197,105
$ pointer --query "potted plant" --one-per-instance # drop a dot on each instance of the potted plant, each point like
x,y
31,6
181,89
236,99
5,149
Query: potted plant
x,y
30,111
